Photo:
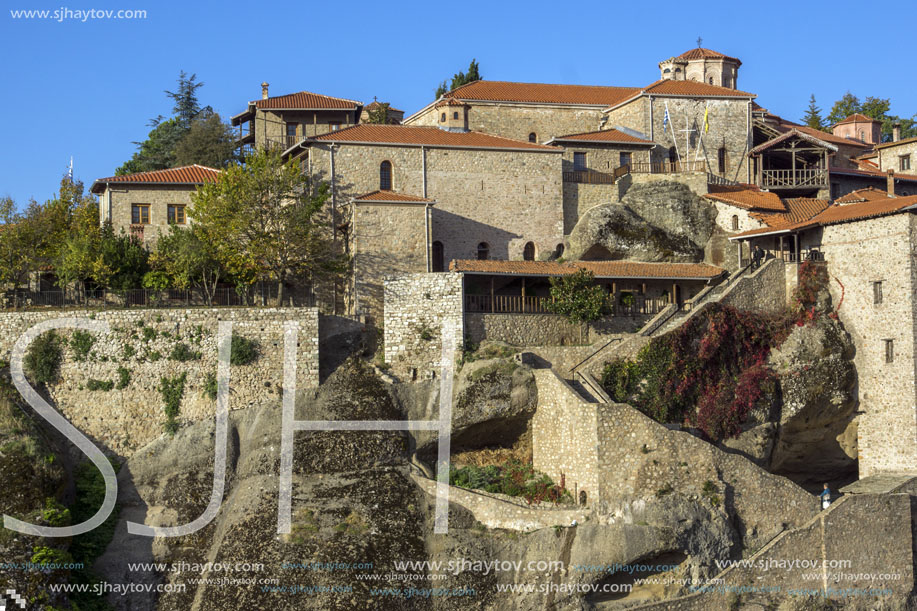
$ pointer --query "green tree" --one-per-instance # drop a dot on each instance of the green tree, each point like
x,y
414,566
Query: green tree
x,y
578,297
209,142
14,250
157,152
267,221
99,255
813,116
848,104
189,259
379,114
460,78
187,108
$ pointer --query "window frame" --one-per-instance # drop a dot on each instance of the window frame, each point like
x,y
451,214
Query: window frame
x,y
889,350
580,167
172,214
483,249
877,294
137,211
904,162
391,175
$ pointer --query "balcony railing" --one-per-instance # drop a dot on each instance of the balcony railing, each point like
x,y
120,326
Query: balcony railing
x,y
668,167
283,142
794,179
517,304
260,295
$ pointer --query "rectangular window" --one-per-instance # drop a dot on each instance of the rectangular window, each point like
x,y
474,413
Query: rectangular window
x,y
623,159
877,292
904,162
291,130
579,162
889,350
140,214
176,214
335,126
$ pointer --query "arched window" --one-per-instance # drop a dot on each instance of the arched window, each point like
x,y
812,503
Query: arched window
x,y
385,176
442,118
721,159
735,222
711,80
666,71
533,137
455,115
483,251
559,251
438,265
528,252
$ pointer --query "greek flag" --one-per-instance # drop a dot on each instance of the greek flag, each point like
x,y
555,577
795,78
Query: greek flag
x,y
665,119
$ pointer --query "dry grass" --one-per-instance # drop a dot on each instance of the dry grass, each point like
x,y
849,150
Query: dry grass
x,y
482,457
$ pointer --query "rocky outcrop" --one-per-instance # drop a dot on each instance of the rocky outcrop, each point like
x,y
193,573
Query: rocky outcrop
x,y
659,221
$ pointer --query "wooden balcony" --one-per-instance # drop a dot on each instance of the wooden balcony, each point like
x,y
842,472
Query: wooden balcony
x,y
282,142
517,304
668,167
815,178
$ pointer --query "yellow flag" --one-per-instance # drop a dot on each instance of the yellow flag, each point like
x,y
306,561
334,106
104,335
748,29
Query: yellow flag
x,y
706,123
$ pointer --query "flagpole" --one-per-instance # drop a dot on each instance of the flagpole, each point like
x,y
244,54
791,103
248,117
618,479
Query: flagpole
x,y
674,139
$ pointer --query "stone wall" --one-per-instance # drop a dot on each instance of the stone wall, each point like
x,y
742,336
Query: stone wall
x,y
565,432
634,115
764,290
519,120
505,198
580,197
142,342
500,511
889,157
116,204
545,329
696,181
385,240
271,125
416,307
859,254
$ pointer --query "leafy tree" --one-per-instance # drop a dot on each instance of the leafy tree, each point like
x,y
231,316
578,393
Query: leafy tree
x,y
813,116
578,297
157,152
14,251
266,220
460,79
379,114
843,108
876,108
209,142
116,261
188,258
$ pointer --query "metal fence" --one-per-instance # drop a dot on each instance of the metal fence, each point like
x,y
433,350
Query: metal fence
x,y
152,298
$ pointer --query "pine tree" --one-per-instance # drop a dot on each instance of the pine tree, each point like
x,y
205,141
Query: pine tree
x,y
460,78
813,117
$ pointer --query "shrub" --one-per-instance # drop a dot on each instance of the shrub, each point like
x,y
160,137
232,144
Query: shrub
x,y
210,386
242,351
578,297
513,478
81,343
43,554
105,385
182,353
148,334
154,356
172,390
128,351
43,358
124,378
55,514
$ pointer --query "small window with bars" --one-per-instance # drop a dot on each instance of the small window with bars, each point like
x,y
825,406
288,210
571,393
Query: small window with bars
x,y
877,292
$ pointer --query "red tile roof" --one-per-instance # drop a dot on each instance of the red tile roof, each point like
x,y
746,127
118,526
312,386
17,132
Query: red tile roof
x,y
693,88
896,143
544,93
748,197
449,102
375,104
799,209
872,173
858,118
605,136
862,195
304,100
427,136
185,175
700,53
391,197
793,132
601,269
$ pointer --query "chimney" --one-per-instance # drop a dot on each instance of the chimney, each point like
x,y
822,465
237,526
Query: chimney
x,y
896,132
890,183
264,87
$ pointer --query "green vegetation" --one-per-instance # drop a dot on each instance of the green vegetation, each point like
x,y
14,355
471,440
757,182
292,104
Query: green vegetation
x,y
210,386
490,350
709,492
81,342
124,378
104,385
49,555
304,527
55,514
242,351
873,107
148,334
459,79
494,369
513,478
578,297
667,489
182,353
154,356
43,358
353,524
172,390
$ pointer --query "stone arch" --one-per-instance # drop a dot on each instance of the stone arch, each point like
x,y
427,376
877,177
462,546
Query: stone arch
x,y
528,251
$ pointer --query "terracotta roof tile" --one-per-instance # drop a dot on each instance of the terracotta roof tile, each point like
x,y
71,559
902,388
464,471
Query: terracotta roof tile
x,y
375,104
896,143
858,118
700,53
862,195
391,196
449,102
306,100
607,135
748,197
601,269
693,88
872,173
799,209
793,132
545,93
429,136
185,175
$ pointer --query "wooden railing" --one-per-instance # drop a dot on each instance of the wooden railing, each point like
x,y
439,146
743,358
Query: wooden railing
x,y
589,177
282,142
716,179
517,304
668,167
792,179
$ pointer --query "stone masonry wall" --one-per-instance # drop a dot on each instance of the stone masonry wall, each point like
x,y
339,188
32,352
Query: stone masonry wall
x,y
859,254
889,157
157,196
565,436
503,198
142,342
545,329
416,306
762,291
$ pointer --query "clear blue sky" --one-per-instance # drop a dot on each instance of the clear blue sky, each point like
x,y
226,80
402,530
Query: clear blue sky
x,y
88,89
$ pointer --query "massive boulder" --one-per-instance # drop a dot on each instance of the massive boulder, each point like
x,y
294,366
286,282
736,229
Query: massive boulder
x,y
659,221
